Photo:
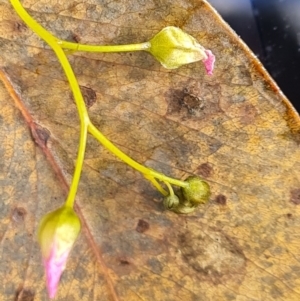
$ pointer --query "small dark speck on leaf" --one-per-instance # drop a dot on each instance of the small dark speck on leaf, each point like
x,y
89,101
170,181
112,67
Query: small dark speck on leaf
x,y
205,170
18,214
76,38
221,199
19,26
185,102
43,134
142,226
24,295
124,261
295,196
89,96
289,215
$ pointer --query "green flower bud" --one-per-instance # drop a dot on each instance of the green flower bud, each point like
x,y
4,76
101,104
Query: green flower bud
x,y
173,48
171,201
57,233
197,192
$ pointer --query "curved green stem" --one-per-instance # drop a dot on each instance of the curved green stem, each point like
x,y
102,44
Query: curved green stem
x,y
85,123
170,188
141,168
82,111
156,185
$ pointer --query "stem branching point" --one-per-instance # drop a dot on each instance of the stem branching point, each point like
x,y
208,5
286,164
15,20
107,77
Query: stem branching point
x,y
172,47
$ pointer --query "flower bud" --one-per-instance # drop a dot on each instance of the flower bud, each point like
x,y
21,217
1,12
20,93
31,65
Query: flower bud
x,y
197,192
173,48
171,201
58,231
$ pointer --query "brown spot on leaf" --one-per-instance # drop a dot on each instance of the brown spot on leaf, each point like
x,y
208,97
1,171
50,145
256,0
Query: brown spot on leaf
x,y
123,266
75,37
18,214
142,226
289,215
175,97
185,102
124,261
193,100
205,170
295,196
24,295
216,258
89,96
221,199
43,134
19,26
40,135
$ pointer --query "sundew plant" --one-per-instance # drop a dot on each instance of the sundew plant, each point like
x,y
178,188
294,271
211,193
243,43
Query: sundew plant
x,y
59,229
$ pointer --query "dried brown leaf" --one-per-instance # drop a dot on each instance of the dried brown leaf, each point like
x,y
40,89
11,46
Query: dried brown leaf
x,y
234,128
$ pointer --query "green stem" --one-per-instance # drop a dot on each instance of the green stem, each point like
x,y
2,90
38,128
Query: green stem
x,y
170,188
141,168
83,115
156,185
105,48
85,123
78,167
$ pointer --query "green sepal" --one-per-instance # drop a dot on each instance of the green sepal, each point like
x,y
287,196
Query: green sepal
x,y
198,191
62,226
173,48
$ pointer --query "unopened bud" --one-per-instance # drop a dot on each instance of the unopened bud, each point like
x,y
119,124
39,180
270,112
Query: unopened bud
x,y
197,192
173,48
171,201
57,234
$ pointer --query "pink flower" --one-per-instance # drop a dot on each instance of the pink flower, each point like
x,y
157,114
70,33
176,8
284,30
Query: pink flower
x,y
57,234
209,62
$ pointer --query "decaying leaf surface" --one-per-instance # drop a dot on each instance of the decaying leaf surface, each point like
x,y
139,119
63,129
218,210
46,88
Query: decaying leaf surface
x,y
234,128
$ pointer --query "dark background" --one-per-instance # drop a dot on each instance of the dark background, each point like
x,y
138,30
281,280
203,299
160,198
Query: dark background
x,y
271,28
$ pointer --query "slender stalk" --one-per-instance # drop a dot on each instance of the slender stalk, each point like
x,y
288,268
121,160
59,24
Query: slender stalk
x,y
103,48
85,123
141,168
170,188
156,185
78,167
83,115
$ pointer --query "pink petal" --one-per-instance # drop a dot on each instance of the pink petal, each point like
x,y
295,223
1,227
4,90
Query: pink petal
x,y
209,62
54,268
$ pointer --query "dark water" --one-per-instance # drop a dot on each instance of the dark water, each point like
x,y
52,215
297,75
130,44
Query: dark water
x,y
271,28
